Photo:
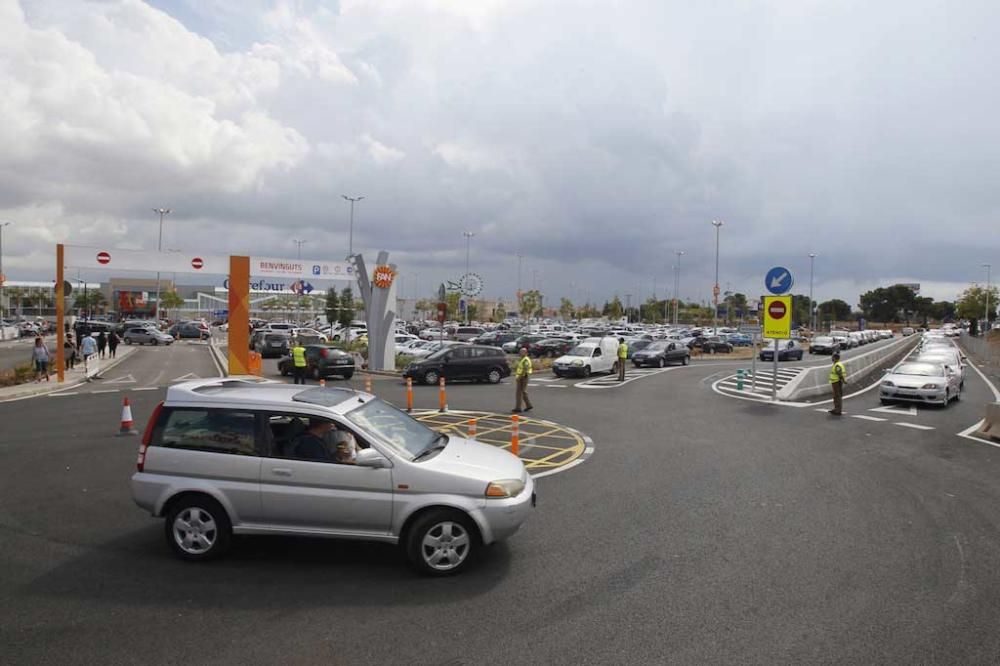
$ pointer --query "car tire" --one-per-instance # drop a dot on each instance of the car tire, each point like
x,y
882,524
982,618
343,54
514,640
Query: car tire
x,y
197,528
128,341
494,376
431,543
586,371
884,401
557,373
314,373
156,343
431,377
711,350
659,362
348,375
799,357
685,360
283,370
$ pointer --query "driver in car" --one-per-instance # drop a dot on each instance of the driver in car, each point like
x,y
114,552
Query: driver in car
x,y
322,440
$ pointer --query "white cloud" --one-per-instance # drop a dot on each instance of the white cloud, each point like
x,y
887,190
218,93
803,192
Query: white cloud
x,y
380,153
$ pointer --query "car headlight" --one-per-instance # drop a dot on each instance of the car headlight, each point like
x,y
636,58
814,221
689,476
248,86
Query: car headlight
x,y
931,385
888,383
505,488
577,362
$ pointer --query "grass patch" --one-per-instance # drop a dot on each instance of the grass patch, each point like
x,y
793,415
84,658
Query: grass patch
x,y
20,374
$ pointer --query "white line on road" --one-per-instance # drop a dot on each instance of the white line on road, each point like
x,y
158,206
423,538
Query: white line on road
x,y
57,395
867,418
147,388
913,425
107,391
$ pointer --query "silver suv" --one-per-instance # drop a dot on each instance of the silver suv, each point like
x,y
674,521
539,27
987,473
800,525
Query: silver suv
x,y
251,456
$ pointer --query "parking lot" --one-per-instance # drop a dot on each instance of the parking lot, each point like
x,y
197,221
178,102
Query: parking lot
x,y
711,527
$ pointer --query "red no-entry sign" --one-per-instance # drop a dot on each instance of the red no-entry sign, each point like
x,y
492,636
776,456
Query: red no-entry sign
x,y
197,263
776,310
103,257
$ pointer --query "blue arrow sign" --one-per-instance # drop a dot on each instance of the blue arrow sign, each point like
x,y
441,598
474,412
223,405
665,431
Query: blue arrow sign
x,y
307,287
778,280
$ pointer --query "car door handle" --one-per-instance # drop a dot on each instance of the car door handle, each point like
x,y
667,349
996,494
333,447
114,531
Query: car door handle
x,y
281,471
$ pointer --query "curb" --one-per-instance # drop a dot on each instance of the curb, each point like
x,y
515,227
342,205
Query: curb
x,y
124,353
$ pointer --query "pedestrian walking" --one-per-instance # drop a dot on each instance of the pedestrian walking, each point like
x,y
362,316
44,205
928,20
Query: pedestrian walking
x,y
622,357
299,361
88,348
522,371
40,359
113,341
69,351
838,377
102,344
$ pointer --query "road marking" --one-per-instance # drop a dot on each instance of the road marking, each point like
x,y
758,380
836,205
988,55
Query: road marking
x,y
59,395
107,391
147,388
127,379
186,377
915,426
867,418
896,410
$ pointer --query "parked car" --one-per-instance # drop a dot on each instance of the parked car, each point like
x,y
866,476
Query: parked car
x,y
915,381
549,347
788,350
521,341
715,345
224,456
461,361
588,357
823,344
273,344
739,339
188,330
321,361
467,333
142,335
661,353
636,344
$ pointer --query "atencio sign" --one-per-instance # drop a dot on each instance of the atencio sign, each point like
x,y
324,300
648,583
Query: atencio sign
x,y
778,317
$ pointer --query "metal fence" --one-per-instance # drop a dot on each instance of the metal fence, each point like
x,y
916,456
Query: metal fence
x,y
982,350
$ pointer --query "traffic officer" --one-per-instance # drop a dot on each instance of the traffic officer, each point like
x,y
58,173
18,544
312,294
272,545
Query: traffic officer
x,y
838,377
299,361
622,357
522,371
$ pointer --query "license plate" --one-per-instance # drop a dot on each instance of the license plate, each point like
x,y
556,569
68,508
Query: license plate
x,y
275,344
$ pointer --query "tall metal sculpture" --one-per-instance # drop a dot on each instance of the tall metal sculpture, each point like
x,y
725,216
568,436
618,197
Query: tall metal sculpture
x,y
379,296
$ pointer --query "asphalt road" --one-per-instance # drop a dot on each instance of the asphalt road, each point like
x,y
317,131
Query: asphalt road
x,y
704,529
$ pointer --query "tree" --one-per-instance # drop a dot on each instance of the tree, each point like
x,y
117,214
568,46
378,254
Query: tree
x,y
171,300
346,314
425,306
889,303
331,306
90,301
613,309
833,310
471,311
566,308
972,303
531,304
499,312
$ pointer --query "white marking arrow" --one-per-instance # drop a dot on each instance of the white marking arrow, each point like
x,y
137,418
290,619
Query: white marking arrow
x,y
127,379
184,378
777,280
896,409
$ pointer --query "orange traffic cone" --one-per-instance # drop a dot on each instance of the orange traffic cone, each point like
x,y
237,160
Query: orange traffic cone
x,y
127,426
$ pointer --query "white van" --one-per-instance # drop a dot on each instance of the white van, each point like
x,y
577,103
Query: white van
x,y
590,356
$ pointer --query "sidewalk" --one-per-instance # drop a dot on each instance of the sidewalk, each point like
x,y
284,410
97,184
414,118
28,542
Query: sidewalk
x,y
74,377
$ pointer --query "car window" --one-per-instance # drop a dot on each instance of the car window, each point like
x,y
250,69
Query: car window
x,y
291,437
401,431
215,430
461,353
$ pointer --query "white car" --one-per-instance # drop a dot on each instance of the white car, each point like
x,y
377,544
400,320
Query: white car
x,y
587,358
913,381
310,333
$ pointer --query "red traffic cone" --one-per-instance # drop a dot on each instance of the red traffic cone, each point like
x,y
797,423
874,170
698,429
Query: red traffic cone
x,y
127,426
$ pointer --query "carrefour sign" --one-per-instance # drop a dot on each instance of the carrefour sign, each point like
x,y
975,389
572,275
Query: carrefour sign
x,y
262,285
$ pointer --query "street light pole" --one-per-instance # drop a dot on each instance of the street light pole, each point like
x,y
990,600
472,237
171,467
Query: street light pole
x,y
350,236
299,244
715,290
812,264
159,248
677,282
986,325
468,244
3,279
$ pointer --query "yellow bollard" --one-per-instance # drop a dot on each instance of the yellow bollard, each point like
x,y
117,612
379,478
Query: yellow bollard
x,y
515,444
409,394
472,428
442,400
368,383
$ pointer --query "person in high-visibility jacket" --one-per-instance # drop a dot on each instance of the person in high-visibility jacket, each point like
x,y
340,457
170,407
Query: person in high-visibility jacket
x,y
522,371
838,377
622,357
299,361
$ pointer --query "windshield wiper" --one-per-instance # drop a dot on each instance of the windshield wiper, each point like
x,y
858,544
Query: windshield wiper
x,y
432,448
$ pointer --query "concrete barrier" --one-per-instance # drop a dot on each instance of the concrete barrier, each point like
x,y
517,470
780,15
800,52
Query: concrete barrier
x,y
991,424
860,369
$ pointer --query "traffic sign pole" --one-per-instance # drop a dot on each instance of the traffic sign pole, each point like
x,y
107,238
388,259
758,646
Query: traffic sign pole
x,y
774,376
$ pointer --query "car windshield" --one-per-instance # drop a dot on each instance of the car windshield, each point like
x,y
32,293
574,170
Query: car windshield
x,y
657,346
822,340
404,433
919,370
438,354
580,350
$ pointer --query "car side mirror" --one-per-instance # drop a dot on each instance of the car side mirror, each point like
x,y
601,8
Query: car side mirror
x,y
371,458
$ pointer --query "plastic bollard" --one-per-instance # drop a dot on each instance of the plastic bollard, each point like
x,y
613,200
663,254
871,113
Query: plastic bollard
x,y
515,443
472,428
442,399
409,394
368,383
739,379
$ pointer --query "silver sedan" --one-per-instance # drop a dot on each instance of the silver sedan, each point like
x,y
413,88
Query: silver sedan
x,y
915,381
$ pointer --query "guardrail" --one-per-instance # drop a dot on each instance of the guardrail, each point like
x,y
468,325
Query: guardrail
x,y
815,381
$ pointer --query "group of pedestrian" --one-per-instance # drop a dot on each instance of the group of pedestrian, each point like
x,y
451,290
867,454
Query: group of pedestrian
x,y
107,344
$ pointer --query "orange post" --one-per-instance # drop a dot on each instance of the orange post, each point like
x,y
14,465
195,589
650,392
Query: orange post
x,y
60,316
409,394
515,444
442,400
239,316
368,383
472,428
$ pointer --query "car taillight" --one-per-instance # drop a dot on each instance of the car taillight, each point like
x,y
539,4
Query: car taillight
x,y
324,353
147,437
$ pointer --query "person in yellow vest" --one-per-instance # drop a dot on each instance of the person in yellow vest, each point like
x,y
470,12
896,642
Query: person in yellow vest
x,y
622,357
299,361
838,377
522,371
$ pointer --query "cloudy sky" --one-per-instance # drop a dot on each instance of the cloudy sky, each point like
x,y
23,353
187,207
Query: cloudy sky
x,y
596,139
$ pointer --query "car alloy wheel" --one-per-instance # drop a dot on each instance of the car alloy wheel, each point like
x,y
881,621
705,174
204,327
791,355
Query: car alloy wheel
x,y
440,543
494,376
586,371
431,377
198,528
685,360
659,362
